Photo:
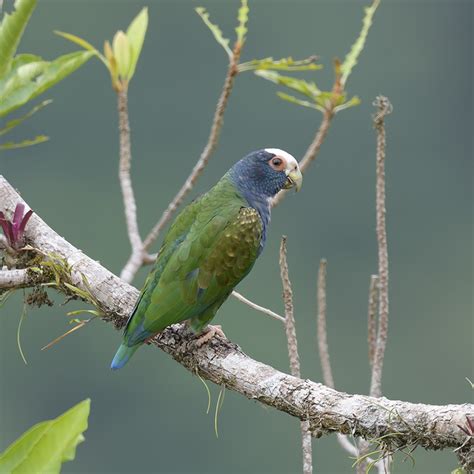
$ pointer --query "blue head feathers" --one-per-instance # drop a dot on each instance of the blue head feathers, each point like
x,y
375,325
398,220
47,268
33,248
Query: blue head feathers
x,y
261,175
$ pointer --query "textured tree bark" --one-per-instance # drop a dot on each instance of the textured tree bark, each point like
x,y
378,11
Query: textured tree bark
x,y
402,424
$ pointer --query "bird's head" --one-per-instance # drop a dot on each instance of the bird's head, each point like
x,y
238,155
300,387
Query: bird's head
x,y
267,172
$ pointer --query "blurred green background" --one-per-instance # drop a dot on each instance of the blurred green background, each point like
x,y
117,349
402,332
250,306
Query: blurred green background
x,y
151,417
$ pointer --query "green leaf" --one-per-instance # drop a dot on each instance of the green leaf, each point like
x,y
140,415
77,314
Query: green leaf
x,y
45,446
215,30
82,43
242,17
77,291
326,99
11,31
76,40
351,59
136,35
348,104
309,89
15,122
26,80
81,311
24,143
283,64
297,101
122,53
21,59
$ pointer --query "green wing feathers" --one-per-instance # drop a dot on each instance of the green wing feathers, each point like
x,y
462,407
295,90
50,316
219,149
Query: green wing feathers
x,y
211,246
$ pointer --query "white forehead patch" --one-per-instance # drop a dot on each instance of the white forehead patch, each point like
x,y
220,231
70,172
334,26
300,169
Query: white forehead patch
x,y
290,159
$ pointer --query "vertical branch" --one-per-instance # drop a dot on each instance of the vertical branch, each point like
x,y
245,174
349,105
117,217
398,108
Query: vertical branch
x,y
128,196
293,351
322,333
384,108
378,291
324,348
372,317
315,145
312,151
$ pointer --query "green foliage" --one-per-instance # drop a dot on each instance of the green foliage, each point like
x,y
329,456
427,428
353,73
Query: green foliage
x,y
136,36
283,64
60,271
45,446
30,76
121,57
11,31
242,18
319,100
241,29
215,30
351,58
334,100
24,143
25,76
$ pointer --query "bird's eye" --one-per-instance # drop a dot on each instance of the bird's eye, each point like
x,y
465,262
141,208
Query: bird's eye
x,y
277,163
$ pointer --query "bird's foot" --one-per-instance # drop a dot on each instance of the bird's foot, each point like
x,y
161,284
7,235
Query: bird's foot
x,y
209,333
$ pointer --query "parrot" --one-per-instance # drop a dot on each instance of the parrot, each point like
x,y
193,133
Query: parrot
x,y
209,248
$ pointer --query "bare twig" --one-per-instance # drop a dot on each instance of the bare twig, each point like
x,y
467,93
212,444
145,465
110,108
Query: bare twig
x,y
323,348
133,265
311,152
293,352
378,292
128,196
384,108
313,149
372,317
257,307
224,363
322,333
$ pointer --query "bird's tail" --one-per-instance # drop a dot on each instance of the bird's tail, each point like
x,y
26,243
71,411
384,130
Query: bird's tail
x,y
123,355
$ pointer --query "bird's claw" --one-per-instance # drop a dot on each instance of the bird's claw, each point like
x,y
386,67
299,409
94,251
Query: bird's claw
x,y
209,333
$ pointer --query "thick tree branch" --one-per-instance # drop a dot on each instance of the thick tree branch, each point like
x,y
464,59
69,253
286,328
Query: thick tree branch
x,y
221,361
14,279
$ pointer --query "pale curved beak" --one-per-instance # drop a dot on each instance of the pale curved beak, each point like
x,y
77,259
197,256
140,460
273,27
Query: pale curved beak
x,y
294,179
